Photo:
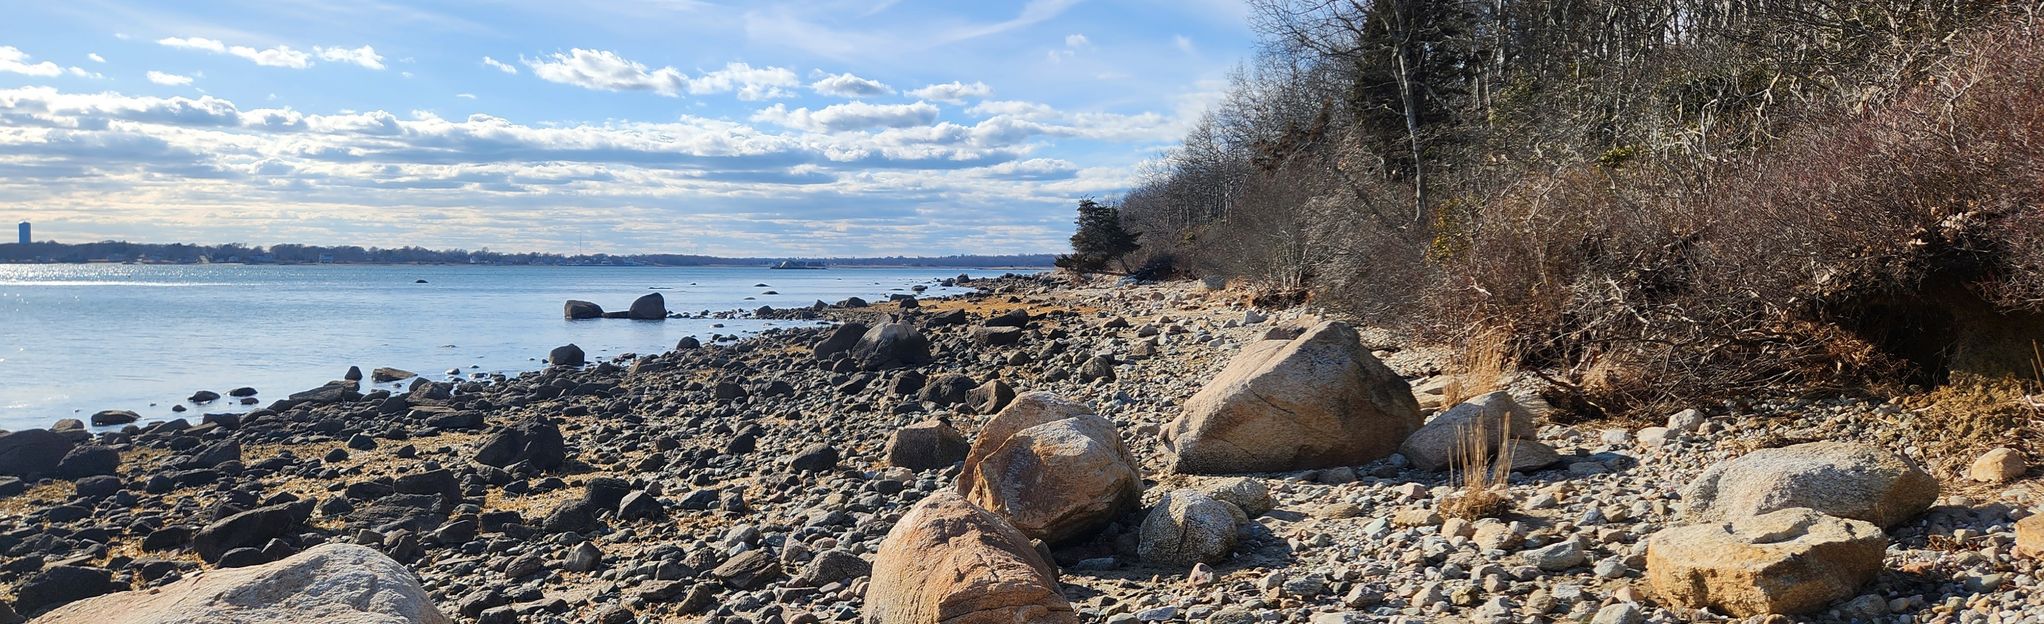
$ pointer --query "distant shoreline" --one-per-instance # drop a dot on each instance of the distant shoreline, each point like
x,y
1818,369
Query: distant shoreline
x,y
729,265
123,252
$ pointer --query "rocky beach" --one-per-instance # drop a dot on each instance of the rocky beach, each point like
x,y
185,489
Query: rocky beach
x,y
1046,449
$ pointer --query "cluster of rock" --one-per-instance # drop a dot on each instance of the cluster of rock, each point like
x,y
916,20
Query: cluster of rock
x,y
648,307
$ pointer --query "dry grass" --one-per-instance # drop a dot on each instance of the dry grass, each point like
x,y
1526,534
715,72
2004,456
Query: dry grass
x,y
1973,414
1480,475
1483,359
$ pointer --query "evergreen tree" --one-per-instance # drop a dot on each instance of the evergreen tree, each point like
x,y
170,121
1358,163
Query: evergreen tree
x,y
1100,238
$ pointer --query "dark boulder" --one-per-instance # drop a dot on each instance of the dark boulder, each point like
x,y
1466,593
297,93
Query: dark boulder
x,y
536,441
62,585
990,397
841,339
250,529
333,392
204,396
652,307
947,389
926,445
1011,318
577,310
892,345
565,355
818,457
110,418
31,453
89,461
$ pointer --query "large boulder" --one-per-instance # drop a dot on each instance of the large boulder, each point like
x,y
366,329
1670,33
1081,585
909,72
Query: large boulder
x,y
652,307
336,583
1436,444
1319,400
250,529
62,584
1187,527
576,310
565,355
31,453
926,445
948,562
536,441
839,340
1782,562
1052,468
109,418
891,345
1844,479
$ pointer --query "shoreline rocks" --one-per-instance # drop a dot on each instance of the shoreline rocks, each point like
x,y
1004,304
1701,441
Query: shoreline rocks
x,y
949,561
1855,481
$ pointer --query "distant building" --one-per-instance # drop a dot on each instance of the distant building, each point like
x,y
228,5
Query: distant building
x,y
24,233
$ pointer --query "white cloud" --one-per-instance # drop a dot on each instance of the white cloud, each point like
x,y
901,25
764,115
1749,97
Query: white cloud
x,y
500,65
1076,40
169,80
1184,44
604,70
15,61
96,58
465,96
850,86
364,56
850,116
953,92
280,56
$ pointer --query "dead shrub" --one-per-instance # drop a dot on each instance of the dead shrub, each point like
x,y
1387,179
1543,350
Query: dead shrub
x,y
1481,362
1480,476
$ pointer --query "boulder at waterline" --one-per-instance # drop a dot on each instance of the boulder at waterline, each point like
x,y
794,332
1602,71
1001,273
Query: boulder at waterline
x,y
1055,479
565,355
1316,401
1844,479
1435,445
387,375
651,307
1187,527
338,583
1783,562
949,562
110,418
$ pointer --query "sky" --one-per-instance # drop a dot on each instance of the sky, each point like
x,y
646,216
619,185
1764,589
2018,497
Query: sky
x,y
872,127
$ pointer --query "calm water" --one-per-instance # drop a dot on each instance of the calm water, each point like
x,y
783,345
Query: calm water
x,y
83,338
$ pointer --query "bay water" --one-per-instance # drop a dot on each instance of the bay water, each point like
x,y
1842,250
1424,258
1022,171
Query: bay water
x,y
80,338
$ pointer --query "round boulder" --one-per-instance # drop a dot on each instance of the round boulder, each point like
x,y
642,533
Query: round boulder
x,y
948,561
1186,528
1844,479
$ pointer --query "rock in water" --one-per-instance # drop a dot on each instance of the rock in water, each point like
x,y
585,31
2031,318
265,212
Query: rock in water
x,y
114,417
1783,562
31,453
565,355
652,307
1186,528
536,441
576,310
1843,479
341,583
927,445
1433,446
1052,468
1316,401
891,345
948,562
387,375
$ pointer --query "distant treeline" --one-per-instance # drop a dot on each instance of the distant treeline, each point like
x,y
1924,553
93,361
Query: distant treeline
x,y
180,253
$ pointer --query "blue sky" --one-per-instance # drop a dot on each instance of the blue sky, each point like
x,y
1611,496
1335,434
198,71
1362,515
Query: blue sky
x,y
869,127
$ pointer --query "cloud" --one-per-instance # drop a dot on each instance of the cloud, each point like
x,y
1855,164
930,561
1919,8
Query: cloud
x,y
364,56
96,58
603,70
501,66
850,116
1076,40
953,92
465,96
280,56
1184,44
850,86
169,80
13,60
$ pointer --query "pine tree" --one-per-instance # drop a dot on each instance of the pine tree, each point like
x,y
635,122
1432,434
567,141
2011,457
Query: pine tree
x,y
1100,238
